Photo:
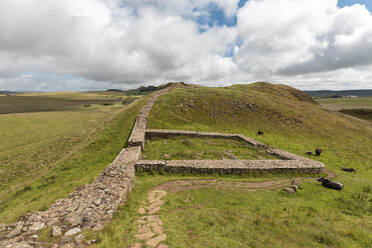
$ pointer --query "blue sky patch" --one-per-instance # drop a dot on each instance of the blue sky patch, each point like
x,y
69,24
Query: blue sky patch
x,y
367,3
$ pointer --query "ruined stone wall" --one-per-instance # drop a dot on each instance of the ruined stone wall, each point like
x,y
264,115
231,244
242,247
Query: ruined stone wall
x,y
88,206
162,133
137,137
231,167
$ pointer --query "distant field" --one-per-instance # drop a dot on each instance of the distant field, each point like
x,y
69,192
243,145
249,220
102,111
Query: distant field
x,y
360,107
54,145
202,148
362,113
346,103
80,95
55,102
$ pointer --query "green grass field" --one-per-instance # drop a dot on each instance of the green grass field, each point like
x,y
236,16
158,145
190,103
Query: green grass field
x,y
45,155
312,217
293,122
346,103
202,148
80,95
360,107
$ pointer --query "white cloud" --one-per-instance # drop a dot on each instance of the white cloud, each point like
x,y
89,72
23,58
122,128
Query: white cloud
x,y
105,43
288,37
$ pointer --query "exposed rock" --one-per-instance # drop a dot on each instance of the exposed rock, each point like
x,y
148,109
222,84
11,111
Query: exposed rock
x,y
153,218
154,210
289,190
56,231
97,202
135,245
297,182
20,245
2,227
144,229
73,231
14,233
155,241
144,236
141,211
294,187
163,246
141,221
158,229
167,156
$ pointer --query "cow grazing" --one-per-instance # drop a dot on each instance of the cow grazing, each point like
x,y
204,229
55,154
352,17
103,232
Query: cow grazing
x,y
330,184
260,132
318,151
348,169
309,153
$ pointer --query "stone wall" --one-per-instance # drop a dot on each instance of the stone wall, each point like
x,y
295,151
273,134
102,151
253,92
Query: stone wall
x,y
162,133
89,206
137,137
231,167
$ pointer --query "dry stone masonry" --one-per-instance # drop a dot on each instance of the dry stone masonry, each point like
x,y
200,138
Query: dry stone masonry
x,y
137,137
231,167
91,206
291,162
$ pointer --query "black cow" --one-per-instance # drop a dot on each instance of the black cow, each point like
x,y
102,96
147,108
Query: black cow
x,y
309,153
348,169
318,151
330,184
260,132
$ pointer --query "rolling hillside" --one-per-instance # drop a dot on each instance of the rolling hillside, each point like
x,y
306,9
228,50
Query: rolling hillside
x,y
290,119
222,217
214,217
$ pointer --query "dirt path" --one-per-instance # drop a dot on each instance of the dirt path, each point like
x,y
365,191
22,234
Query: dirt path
x,y
150,227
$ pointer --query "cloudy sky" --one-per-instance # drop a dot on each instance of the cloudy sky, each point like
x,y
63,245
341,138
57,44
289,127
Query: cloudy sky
x,y
100,44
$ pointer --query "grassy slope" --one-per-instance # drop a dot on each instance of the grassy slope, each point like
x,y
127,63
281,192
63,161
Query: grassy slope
x,y
202,148
60,150
316,216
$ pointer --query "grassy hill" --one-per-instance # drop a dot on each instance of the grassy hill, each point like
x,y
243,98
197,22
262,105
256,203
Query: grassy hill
x,y
209,217
47,151
291,120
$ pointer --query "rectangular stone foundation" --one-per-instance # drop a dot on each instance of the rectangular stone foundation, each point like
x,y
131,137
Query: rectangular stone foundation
x,y
231,167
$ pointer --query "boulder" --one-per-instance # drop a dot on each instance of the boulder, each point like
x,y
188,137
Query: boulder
x,y
73,231
36,226
56,231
